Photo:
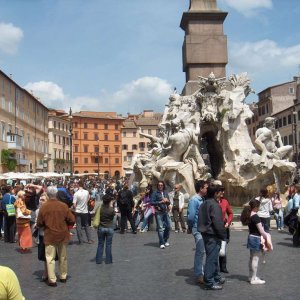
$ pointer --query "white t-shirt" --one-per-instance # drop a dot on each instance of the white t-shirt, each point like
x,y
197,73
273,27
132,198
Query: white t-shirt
x,y
80,199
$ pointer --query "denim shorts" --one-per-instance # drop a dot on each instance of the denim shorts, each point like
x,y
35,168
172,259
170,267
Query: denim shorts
x,y
254,243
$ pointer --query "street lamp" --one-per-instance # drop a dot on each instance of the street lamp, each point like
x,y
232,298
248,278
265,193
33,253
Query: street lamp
x,y
70,117
98,157
295,130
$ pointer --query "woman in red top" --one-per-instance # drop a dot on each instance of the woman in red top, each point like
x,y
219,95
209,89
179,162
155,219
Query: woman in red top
x,y
227,218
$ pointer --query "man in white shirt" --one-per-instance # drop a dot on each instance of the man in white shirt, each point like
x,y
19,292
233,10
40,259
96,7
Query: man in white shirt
x,y
80,204
177,203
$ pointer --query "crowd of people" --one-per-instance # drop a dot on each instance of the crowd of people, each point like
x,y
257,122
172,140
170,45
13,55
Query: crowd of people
x,y
45,213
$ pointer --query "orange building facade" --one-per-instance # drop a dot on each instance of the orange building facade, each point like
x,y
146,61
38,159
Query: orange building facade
x,y
97,143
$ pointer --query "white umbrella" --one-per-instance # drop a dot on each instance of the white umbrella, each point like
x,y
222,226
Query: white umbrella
x,y
13,175
2,177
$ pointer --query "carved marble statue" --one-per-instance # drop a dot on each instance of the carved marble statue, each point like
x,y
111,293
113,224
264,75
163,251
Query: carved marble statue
x,y
267,140
213,120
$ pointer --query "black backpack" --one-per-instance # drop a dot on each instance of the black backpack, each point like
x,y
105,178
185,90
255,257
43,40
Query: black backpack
x,y
123,200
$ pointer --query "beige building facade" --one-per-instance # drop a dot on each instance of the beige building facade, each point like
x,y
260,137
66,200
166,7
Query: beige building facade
x,y
133,143
59,142
281,101
23,127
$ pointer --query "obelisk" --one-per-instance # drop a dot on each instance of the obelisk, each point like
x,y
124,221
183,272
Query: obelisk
x,y
205,45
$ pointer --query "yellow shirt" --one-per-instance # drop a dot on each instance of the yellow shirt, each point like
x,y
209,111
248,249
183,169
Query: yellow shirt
x,y
9,285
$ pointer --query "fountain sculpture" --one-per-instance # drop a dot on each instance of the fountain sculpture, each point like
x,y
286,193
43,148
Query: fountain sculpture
x,y
205,136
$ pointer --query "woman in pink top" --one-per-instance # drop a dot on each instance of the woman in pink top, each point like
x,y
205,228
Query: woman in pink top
x,y
277,206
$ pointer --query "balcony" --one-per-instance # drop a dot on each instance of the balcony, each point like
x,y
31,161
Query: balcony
x,y
39,164
22,162
14,141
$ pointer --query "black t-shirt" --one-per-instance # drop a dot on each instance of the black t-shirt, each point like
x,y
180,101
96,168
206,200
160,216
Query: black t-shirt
x,y
252,225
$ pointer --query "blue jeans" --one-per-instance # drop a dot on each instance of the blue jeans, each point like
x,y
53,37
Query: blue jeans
x,y
279,219
199,253
146,218
211,269
163,226
104,234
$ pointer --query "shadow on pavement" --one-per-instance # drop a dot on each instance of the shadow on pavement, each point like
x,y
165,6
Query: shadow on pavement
x,y
189,273
238,277
151,245
286,244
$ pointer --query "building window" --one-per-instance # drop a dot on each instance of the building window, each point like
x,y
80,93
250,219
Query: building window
x,y
263,110
125,158
117,161
96,137
54,124
291,90
85,125
85,148
285,140
134,134
95,126
124,147
86,160
105,137
116,137
284,121
85,136
116,126
106,160
134,147
142,145
279,123
96,149
124,133
3,102
75,125
76,148
54,138
105,126
116,149
76,135
149,131
289,119
76,160
106,148
291,139
259,111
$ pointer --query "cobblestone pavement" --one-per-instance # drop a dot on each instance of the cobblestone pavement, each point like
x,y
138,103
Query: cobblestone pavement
x,y
143,271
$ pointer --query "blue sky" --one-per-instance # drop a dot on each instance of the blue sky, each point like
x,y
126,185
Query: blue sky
x,y
125,55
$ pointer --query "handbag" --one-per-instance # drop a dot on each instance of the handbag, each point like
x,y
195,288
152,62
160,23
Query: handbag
x,y
96,220
20,215
222,252
10,208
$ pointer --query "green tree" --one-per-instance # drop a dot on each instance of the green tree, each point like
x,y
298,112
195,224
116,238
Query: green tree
x,y
8,159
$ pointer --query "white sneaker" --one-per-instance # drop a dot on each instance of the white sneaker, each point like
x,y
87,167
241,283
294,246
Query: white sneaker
x,y
257,280
167,244
176,231
162,247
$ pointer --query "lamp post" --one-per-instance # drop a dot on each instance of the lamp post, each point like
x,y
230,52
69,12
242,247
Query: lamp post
x,y
98,158
71,141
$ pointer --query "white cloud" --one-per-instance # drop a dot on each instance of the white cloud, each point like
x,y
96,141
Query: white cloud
x,y
10,38
134,97
248,7
143,93
45,90
266,62
263,54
